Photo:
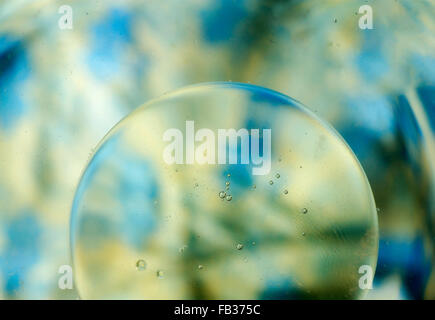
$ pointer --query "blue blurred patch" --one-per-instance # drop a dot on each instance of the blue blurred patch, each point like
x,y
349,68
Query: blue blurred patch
x,y
371,112
21,251
427,97
241,176
220,23
361,140
424,67
367,147
410,132
14,70
282,289
109,39
408,258
371,61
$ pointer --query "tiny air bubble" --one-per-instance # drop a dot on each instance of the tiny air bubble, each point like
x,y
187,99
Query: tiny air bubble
x,y
141,265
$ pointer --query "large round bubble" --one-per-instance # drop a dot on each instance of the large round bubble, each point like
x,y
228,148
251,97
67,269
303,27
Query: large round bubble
x,y
223,191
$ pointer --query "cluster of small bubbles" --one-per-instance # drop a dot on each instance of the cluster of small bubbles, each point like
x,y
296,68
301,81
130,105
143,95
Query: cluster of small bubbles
x,y
285,191
223,195
304,210
141,265
160,274
378,210
277,176
239,246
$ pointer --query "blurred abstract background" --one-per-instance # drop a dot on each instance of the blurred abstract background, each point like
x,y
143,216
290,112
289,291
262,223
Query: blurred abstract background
x,y
61,90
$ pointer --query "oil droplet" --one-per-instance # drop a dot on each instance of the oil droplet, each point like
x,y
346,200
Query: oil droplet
x,y
181,250
303,234
277,176
239,246
378,210
227,183
285,191
234,223
253,243
222,194
160,274
141,265
228,175
196,185
270,182
200,267
335,20
254,187
229,197
304,210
